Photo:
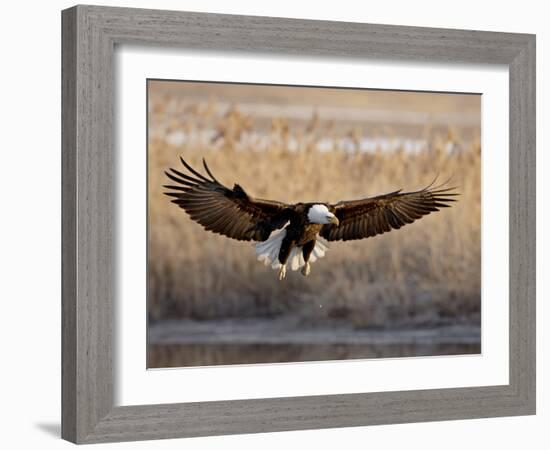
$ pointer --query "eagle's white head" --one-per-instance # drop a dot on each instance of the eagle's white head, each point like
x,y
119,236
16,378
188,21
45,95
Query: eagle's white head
x,y
320,214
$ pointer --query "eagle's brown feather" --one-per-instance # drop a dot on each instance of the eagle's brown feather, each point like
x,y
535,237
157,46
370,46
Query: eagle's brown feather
x,y
368,217
231,212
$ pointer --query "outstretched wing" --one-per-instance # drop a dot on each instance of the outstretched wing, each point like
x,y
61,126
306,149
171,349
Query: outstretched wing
x,y
376,215
231,212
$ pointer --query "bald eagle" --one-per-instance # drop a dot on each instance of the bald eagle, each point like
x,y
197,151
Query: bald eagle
x,y
305,227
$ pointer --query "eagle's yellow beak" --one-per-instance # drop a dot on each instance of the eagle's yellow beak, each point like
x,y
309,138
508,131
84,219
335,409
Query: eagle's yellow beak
x,y
334,220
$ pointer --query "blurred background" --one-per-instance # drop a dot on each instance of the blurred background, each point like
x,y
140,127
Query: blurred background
x,y
411,292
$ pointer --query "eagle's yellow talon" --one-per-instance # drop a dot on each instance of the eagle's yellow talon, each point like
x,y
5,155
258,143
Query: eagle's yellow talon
x,y
282,272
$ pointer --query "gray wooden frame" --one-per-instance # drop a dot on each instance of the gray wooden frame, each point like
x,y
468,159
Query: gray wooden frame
x,y
89,37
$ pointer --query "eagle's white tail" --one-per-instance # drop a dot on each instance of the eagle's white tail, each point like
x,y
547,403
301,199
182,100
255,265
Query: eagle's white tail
x,y
268,252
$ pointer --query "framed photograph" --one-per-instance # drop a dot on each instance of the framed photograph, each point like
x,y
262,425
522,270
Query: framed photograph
x,y
210,303
278,224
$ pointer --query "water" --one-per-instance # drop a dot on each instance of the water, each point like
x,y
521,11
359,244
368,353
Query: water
x,y
223,342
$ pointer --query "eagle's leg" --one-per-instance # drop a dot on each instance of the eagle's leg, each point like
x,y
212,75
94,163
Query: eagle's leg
x,y
284,253
307,248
